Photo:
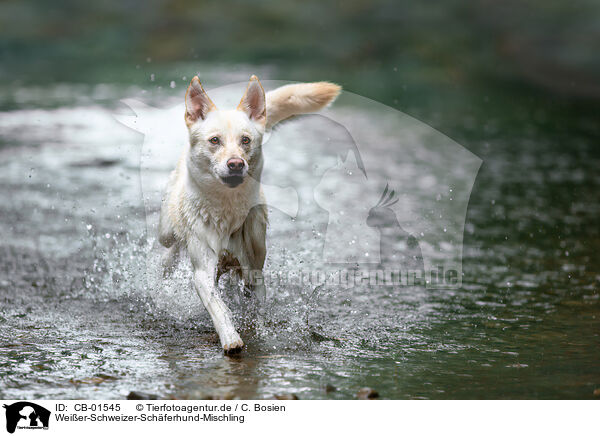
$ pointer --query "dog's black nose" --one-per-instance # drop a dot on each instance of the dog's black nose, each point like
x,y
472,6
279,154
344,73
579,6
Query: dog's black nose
x,y
235,164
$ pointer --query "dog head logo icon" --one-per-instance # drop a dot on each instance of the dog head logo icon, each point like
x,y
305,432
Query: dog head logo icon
x,y
26,415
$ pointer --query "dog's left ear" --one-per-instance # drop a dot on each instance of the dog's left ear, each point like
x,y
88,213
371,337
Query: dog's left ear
x,y
197,103
253,102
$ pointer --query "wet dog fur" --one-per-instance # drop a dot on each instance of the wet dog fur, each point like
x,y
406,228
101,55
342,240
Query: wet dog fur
x,y
214,209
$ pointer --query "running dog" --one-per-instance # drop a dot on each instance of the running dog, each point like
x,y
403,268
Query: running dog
x,y
214,208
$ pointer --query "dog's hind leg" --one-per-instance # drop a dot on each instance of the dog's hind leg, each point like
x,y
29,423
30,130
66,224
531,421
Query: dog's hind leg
x,y
248,244
204,262
166,237
170,259
166,234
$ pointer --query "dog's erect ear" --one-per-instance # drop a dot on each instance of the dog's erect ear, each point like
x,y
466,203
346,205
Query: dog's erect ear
x,y
197,103
253,102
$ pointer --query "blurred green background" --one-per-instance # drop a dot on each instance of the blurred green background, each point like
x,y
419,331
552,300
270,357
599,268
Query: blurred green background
x,y
453,64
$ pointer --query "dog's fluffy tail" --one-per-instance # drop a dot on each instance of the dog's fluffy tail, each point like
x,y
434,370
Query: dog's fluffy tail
x,y
301,98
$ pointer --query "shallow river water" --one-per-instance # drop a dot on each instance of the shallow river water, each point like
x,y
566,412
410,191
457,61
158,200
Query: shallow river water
x,y
82,317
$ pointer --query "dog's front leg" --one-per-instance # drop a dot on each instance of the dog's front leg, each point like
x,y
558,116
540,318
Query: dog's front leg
x,y
204,262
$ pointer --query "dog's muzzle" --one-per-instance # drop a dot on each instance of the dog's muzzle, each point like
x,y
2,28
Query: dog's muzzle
x,y
236,167
233,180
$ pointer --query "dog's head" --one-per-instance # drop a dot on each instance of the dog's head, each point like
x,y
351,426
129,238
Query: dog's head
x,y
225,145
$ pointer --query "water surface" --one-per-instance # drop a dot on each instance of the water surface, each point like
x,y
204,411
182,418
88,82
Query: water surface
x,y
81,319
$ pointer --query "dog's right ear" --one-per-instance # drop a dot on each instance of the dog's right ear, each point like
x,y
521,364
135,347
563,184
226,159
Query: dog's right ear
x,y
197,103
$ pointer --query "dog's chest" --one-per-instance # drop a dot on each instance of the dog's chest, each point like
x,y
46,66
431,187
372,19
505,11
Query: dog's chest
x,y
220,214
231,214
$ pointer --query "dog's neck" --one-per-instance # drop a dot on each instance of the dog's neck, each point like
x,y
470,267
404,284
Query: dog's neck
x,y
219,206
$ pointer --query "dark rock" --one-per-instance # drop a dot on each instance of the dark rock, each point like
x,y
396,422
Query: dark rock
x,y
98,162
330,388
318,337
141,396
106,377
367,394
285,397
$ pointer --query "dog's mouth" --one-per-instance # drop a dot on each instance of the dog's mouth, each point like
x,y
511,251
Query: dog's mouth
x,y
232,181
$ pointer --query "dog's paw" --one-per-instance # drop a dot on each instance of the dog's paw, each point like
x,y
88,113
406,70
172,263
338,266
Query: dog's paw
x,y
233,347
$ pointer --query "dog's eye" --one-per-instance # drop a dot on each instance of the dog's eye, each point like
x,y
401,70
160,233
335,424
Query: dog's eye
x,y
214,140
245,140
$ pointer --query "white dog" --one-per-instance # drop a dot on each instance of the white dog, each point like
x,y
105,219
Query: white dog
x,y
214,207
